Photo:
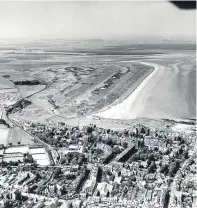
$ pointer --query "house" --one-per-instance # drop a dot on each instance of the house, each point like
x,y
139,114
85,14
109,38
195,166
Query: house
x,y
72,148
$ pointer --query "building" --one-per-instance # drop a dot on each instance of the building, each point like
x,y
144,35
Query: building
x,y
89,187
94,173
103,189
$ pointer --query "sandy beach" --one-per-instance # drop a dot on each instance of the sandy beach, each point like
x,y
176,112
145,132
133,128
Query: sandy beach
x,y
165,93
120,110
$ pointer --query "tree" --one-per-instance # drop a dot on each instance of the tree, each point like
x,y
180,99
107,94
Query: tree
x,y
167,152
151,157
126,132
156,149
8,204
81,159
108,172
57,172
148,163
70,177
174,166
69,156
109,142
164,169
125,145
185,154
89,130
2,146
70,205
116,149
74,161
63,161
179,138
182,141
152,167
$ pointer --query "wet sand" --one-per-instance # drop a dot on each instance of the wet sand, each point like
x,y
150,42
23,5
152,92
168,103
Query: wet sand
x,y
168,92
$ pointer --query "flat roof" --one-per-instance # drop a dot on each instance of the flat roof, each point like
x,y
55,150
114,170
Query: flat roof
x,y
16,149
37,150
14,159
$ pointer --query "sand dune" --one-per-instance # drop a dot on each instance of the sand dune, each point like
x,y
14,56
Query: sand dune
x,y
165,93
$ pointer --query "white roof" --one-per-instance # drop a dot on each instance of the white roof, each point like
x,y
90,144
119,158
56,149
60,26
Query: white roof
x,y
20,149
13,159
37,150
41,159
104,187
40,156
73,146
43,162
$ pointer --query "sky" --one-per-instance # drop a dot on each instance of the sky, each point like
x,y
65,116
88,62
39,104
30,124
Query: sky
x,y
92,20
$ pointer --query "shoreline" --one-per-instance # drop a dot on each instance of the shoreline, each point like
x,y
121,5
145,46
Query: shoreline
x,y
128,92
111,111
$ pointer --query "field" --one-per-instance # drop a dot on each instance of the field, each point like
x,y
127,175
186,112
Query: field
x,y
17,136
29,90
32,113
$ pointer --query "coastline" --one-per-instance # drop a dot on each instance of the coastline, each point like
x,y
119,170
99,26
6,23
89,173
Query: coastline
x,y
129,97
129,91
134,86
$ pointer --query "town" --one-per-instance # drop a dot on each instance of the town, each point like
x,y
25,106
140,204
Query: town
x,y
95,167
